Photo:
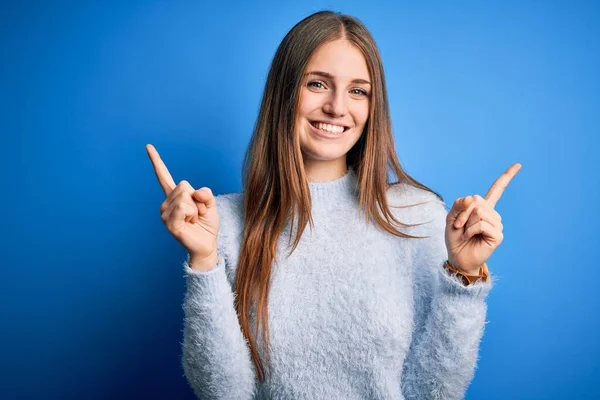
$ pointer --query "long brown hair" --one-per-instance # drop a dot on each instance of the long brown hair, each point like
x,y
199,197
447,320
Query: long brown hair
x,y
275,183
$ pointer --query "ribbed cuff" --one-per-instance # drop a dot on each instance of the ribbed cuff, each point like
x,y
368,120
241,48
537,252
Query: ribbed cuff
x,y
210,285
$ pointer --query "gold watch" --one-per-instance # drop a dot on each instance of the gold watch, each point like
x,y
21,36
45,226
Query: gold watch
x,y
467,279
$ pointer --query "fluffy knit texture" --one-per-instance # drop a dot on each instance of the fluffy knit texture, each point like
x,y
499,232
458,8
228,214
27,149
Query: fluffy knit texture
x,y
354,312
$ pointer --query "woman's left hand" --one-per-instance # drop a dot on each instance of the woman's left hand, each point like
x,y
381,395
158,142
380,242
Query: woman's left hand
x,y
474,228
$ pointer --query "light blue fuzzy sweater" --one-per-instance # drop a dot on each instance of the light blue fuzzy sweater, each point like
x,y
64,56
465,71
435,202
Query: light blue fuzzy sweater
x,y
354,312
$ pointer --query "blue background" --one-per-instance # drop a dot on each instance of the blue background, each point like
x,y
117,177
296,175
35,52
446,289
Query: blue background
x,y
92,283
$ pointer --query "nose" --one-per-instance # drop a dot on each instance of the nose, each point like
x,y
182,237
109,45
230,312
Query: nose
x,y
336,104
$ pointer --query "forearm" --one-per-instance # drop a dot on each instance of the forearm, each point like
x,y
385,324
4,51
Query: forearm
x,y
443,355
216,359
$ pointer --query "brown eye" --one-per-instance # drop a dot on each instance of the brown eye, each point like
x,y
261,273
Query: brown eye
x,y
315,84
359,92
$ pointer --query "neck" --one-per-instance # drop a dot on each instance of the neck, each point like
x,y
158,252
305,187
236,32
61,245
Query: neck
x,y
325,171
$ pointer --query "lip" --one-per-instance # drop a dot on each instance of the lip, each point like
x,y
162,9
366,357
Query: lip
x,y
328,135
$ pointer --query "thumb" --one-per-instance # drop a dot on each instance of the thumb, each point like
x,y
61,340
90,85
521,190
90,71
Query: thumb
x,y
205,195
459,206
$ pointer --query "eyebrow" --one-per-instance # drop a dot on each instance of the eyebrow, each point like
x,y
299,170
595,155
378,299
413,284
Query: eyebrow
x,y
329,76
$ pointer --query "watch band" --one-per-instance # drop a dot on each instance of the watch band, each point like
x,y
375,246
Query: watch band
x,y
467,279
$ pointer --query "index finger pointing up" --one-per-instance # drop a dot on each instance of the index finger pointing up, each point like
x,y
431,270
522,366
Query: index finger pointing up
x,y
493,195
160,169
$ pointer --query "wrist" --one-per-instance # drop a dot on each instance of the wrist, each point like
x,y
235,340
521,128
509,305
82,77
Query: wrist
x,y
203,263
467,271
474,271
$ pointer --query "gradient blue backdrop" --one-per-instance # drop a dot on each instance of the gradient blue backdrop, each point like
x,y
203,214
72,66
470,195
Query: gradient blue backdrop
x,y
92,283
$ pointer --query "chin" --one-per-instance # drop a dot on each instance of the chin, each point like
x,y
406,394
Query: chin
x,y
322,154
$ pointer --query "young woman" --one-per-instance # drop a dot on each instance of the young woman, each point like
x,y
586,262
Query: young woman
x,y
323,279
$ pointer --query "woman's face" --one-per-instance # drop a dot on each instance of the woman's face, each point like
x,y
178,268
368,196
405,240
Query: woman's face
x,y
334,105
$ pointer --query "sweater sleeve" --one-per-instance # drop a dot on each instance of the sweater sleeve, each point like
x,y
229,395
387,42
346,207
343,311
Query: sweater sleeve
x,y
448,324
216,358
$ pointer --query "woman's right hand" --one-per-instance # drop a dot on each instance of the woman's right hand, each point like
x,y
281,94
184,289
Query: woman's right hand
x,y
190,215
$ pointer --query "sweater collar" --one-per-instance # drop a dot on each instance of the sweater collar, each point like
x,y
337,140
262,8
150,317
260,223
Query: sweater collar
x,y
343,186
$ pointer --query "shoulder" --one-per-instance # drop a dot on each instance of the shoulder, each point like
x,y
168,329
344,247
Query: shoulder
x,y
230,203
415,205
230,207
407,193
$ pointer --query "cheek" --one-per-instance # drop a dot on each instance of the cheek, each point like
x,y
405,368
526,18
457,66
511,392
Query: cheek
x,y
308,102
361,113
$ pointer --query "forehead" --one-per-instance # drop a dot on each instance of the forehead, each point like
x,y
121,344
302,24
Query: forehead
x,y
340,58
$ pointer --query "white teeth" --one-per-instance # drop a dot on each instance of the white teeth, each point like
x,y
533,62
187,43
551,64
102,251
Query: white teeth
x,y
330,128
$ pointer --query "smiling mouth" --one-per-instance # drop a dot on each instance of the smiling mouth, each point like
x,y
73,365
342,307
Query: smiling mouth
x,y
331,128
